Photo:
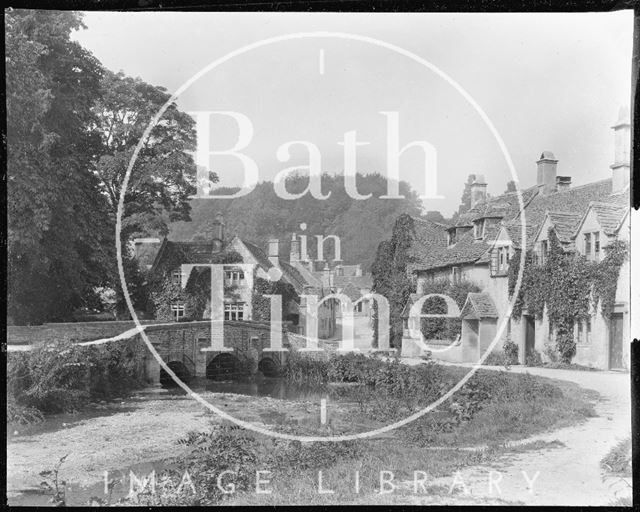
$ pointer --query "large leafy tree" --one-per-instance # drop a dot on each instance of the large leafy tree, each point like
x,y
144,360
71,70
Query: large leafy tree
x,y
55,213
163,176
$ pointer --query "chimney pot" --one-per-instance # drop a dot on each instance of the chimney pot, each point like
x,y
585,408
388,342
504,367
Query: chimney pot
x,y
563,183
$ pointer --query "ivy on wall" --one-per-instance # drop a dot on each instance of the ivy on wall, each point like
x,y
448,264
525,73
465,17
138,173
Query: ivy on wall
x,y
261,305
568,285
195,295
444,328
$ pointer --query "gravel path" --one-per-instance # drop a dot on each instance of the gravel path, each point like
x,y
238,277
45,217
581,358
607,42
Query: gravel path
x,y
568,475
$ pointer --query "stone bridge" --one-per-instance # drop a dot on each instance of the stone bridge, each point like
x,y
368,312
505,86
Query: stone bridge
x,y
180,344
186,348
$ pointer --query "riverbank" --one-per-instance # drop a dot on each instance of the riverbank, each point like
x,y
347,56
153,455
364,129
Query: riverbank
x,y
146,427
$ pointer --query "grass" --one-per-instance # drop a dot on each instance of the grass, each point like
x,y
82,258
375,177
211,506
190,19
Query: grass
x,y
493,409
618,461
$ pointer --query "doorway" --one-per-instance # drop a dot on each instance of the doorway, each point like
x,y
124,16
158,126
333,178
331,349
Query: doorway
x,y
616,360
529,336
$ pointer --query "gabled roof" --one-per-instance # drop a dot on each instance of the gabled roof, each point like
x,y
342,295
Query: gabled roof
x,y
564,224
478,306
259,255
609,216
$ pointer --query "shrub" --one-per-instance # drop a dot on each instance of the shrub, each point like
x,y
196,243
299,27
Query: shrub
x,y
533,358
62,377
510,350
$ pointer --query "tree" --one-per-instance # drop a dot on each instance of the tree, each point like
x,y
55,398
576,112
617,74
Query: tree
x,y
435,216
511,186
55,213
389,272
164,174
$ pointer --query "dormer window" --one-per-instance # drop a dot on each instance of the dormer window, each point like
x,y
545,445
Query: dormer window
x,y
451,236
478,229
176,277
455,275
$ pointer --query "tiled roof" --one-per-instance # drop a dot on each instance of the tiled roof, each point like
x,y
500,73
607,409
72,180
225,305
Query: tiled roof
x,y
477,306
567,208
430,238
575,200
259,255
358,282
609,216
564,224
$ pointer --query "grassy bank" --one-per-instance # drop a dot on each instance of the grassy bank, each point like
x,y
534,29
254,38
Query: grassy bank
x,y
491,409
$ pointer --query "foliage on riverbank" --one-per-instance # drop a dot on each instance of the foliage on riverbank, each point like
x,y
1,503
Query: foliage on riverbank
x,y
64,376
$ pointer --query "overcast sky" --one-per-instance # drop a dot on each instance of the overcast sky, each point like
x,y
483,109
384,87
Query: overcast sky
x,y
547,81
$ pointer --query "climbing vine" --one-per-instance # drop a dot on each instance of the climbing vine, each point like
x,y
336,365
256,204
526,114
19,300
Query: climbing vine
x,y
568,286
261,305
195,295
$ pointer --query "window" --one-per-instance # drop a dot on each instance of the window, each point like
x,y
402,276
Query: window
x,y
177,311
588,330
176,277
452,236
596,246
499,261
544,251
234,311
587,245
234,277
580,332
479,229
455,274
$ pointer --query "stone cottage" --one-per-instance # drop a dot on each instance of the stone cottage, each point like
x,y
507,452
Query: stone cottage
x,y
177,261
480,246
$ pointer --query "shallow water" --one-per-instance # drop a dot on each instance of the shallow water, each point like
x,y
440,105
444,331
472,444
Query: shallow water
x,y
259,386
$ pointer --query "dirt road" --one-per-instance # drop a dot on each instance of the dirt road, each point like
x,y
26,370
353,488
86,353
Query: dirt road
x,y
568,475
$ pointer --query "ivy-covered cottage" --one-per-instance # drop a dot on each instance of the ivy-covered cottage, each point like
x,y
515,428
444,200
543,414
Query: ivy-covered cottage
x,y
573,303
180,287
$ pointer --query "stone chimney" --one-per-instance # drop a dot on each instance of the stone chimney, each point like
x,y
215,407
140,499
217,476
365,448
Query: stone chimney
x,y
563,183
326,276
218,227
621,168
294,253
273,251
547,169
478,190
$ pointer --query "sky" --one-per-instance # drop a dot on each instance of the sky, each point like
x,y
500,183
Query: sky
x,y
545,82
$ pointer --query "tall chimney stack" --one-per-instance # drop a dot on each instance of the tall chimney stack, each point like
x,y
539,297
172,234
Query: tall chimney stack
x,y
294,254
273,251
547,170
478,190
621,168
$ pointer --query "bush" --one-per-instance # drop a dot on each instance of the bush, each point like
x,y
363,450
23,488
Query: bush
x,y
510,350
533,358
62,377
